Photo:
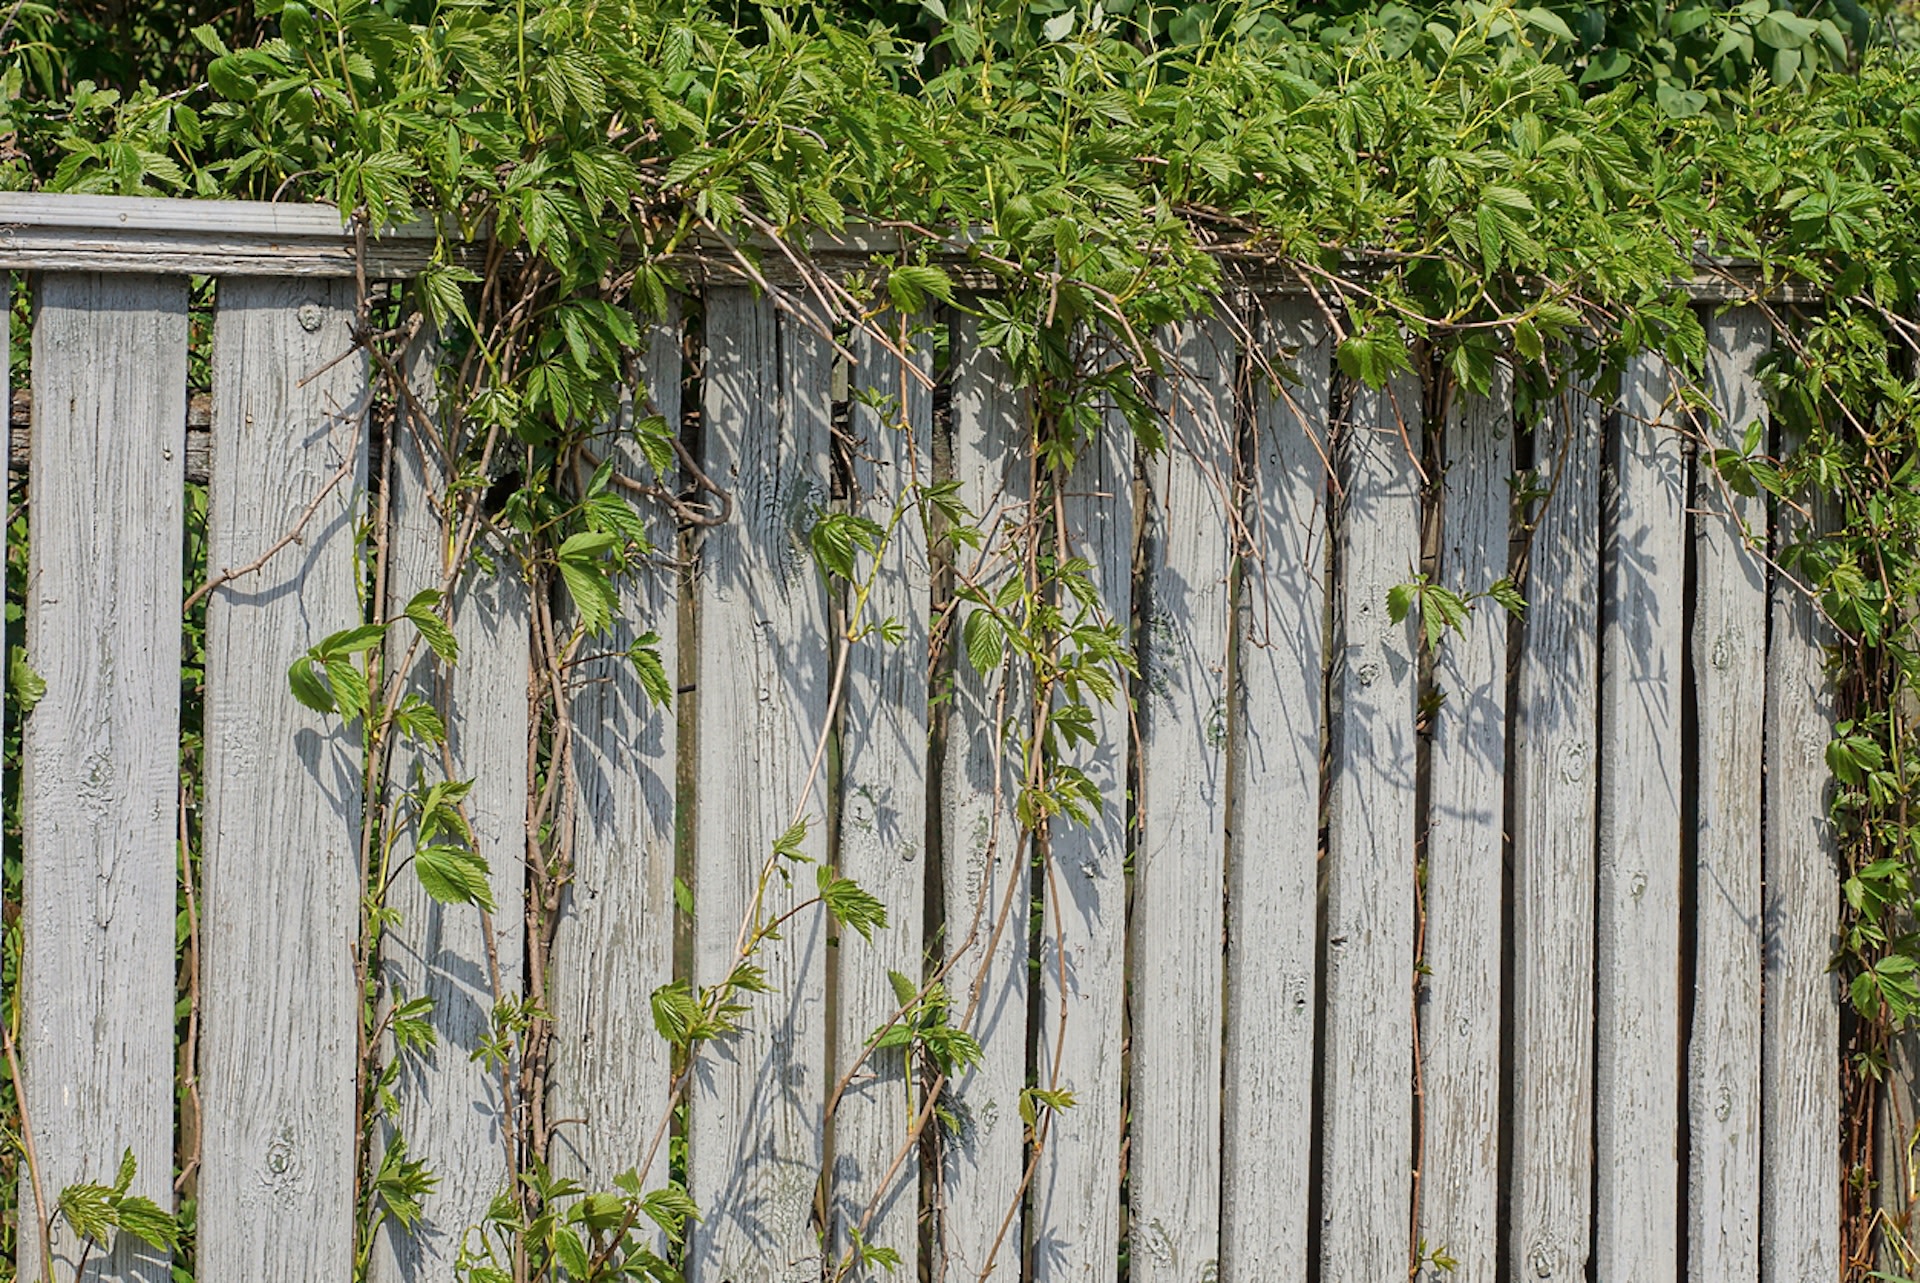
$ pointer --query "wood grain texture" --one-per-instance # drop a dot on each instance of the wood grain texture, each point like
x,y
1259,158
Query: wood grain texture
x,y
1179,874
883,807
280,900
100,749
1273,852
1800,1027
1466,814
453,1108
1729,656
1367,1130
1551,1103
1637,923
984,875
765,666
613,945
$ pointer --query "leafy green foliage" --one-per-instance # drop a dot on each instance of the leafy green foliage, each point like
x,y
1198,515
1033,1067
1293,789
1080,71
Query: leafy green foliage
x,y
95,1212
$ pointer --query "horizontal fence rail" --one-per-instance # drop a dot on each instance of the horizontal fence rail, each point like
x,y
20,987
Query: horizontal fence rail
x,y
1507,956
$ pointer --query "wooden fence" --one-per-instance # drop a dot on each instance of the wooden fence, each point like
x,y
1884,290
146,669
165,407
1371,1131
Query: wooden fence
x,y
1535,976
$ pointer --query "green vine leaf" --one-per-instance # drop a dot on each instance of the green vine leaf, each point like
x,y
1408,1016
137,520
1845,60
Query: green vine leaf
x,y
24,686
453,875
423,610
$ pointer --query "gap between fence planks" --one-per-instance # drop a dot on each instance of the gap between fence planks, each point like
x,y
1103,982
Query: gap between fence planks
x,y
1365,1220
755,1113
984,862
1729,660
1459,1081
100,754
1272,856
883,801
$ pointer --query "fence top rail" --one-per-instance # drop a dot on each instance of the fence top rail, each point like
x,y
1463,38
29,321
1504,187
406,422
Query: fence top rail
x,y
48,231
44,231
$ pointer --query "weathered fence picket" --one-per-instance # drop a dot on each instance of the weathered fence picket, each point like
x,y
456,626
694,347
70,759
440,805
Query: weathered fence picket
x,y
281,864
1800,1018
883,801
613,944
984,856
455,1104
1505,949
1551,1113
764,695
1637,949
1459,1045
1179,873
1368,1143
100,755
1082,956
1279,683
1729,673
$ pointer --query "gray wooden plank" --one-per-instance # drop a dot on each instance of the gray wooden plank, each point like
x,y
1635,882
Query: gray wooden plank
x,y
1466,826
1729,647
984,867
1076,1232
613,945
1800,1104
755,1126
100,749
1553,855
1273,853
1637,923
1367,1127
883,806
1179,874
280,894
453,1108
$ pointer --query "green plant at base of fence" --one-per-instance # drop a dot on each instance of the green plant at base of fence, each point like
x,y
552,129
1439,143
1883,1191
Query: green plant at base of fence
x,y
1111,183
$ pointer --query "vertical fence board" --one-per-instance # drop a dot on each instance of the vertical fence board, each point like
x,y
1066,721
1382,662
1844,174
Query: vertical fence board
x,y
1637,924
1459,1024
453,1107
1273,876
755,1127
883,817
100,751
613,944
1800,1027
984,866
1083,943
1729,684
281,867
1179,874
1367,1128
1550,1108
